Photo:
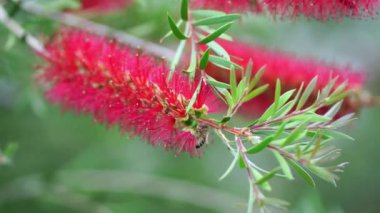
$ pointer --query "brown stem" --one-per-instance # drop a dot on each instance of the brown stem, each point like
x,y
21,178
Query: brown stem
x,y
256,190
20,32
84,24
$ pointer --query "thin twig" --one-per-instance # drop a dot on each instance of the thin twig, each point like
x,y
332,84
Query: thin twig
x,y
103,30
256,190
20,32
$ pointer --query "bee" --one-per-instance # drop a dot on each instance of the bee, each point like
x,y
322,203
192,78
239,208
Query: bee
x,y
201,134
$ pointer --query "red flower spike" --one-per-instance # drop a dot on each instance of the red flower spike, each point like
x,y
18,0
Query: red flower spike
x,y
292,71
118,86
323,9
102,5
228,6
318,9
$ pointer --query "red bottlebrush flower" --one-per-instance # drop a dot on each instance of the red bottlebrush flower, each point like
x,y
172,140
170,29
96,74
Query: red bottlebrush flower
x,y
323,9
118,86
292,71
101,5
228,6
318,9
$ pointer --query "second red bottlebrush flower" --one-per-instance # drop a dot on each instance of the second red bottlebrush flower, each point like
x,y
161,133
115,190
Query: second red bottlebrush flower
x,y
292,71
119,86
101,5
317,9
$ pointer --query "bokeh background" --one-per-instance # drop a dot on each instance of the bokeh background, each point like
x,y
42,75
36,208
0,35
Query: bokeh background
x,y
68,163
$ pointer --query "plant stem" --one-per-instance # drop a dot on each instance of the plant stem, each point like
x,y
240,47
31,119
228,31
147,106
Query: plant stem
x,y
103,30
255,189
21,33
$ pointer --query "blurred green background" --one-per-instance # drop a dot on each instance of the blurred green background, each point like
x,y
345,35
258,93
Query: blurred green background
x,y
68,163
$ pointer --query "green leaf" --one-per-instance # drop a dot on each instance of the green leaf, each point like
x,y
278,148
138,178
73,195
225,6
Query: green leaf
x,y
284,165
323,173
204,59
10,43
327,89
248,73
303,173
337,97
58,6
231,167
206,13
194,97
209,30
342,121
178,24
281,204
222,19
177,58
193,61
256,93
233,83
277,94
339,135
297,133
219,50
267,177
261,146
229,99
285,109
339,89
184,10
257,77
212,36
223,63
10,150
176,31
334,110
270,111
306,94
311,117
258,176
216,83
241,162
225,119
241,89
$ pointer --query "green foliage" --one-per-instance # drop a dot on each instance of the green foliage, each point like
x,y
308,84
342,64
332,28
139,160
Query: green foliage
x,y
175,29
295,134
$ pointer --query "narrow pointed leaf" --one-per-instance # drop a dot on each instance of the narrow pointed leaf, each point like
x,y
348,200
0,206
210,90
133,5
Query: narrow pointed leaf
x,y
257,77
216,83
177,58
296,133
303,173
233,83
206,13
176,31
258,176
212,36
217,19
284,165
277,94
184,10
261,146
256,93
222,62
267,177
193,62
219,50
194,97
204,59
241,162
231,167
306,94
